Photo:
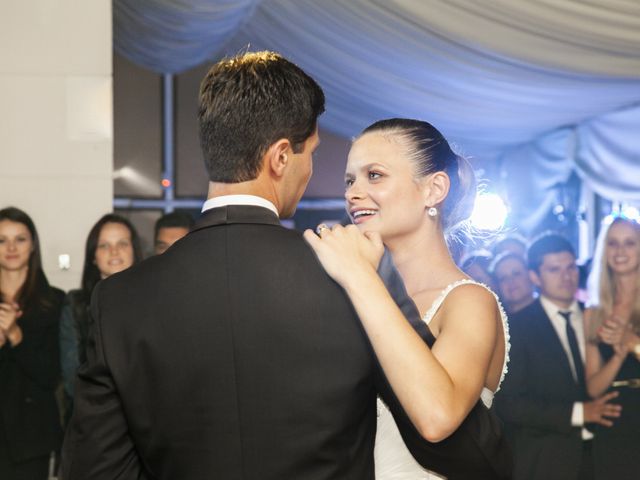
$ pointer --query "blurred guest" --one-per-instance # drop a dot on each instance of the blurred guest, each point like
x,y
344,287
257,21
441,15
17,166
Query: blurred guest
x,y
476,265
511,277
170,228
582,295
29,357
613,347
513,243
113,245
543,400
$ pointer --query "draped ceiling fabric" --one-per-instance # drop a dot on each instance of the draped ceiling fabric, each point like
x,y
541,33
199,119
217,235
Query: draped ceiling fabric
x,y
545,87
169,36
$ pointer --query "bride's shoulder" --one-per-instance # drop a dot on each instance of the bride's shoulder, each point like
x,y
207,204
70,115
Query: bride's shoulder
x,y
471,298
471,290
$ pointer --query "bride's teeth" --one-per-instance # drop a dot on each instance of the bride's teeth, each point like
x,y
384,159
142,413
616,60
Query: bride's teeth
x,y
359,213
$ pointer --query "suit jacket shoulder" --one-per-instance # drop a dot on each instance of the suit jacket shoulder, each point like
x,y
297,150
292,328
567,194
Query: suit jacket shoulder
x,y
231,352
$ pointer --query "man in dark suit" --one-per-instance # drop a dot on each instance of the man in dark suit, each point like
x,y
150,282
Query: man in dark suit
x,y
543,399
232,355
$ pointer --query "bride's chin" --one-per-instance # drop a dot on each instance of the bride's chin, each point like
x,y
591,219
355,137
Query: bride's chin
x,y
364,228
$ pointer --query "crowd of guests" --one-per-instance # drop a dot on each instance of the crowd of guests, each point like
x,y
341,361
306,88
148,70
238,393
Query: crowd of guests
x,y
44,333
570,402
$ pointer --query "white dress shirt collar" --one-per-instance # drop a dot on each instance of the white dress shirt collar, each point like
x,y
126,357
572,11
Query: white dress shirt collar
x,y
551,307
559,325
225,200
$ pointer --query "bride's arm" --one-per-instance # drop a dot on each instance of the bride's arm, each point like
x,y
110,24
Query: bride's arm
x,y
436,388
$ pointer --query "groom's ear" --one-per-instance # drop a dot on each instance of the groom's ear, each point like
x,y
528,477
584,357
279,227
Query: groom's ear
x,y
436,188
277,156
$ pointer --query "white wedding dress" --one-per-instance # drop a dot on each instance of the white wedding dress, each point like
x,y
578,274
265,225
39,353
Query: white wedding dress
x,y
392,458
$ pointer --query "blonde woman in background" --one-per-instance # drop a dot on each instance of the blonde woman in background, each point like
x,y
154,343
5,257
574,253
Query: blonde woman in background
x,y
613,344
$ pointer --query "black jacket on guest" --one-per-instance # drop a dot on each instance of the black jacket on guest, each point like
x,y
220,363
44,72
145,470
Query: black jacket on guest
x,y
536,400
29,376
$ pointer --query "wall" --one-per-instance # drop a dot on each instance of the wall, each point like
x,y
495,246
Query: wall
x,y
56,122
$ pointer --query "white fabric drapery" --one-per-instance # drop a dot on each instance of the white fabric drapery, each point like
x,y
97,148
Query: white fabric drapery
x,y
169,36
552,83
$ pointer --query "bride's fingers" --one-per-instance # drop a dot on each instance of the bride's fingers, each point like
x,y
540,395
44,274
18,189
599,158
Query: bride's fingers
x,y
312,239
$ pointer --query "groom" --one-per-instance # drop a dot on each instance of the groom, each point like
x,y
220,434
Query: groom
x,y
232,355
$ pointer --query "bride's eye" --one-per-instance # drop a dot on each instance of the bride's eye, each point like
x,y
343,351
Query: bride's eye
x,y
348,182
374,175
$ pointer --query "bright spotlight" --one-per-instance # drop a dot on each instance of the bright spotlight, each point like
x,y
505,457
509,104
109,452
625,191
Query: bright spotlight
x,y
627,211
489,212
631,213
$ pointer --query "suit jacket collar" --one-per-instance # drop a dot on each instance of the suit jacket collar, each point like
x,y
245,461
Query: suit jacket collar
x,y
540,319
234,214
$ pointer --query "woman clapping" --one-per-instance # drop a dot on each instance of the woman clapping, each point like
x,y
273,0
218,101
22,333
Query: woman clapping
x,y
29,358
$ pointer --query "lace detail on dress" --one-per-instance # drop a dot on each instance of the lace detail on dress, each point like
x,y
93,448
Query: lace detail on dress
x,y
437,303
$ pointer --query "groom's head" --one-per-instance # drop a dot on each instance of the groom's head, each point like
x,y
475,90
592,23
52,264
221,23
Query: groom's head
x,y
250,105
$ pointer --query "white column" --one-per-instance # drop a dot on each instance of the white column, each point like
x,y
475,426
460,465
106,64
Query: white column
x,y
56,122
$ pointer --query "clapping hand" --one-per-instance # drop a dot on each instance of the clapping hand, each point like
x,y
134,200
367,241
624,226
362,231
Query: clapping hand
x,y
619,335
345,252
9,314
612,330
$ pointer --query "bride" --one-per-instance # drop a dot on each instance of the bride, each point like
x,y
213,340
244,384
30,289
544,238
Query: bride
x,y
406,189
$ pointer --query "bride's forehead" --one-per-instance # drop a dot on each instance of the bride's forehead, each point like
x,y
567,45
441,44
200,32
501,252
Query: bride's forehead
x,y
376,148
377,139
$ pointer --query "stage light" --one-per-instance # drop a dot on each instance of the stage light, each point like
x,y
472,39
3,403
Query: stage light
x,y
627,211
631,213
489,212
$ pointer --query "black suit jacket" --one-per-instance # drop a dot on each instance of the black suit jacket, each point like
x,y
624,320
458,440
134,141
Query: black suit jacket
x,y
536,400
232,355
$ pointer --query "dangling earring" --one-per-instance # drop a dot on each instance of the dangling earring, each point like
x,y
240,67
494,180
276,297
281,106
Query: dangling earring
x,y
432,212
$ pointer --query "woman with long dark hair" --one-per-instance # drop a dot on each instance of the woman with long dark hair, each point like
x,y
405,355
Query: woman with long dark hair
x,y
29,357
112,246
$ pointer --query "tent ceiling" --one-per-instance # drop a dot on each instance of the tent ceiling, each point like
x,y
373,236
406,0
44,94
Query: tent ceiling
x,y
495,76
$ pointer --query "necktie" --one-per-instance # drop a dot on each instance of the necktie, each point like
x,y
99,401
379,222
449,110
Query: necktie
x,y
575,351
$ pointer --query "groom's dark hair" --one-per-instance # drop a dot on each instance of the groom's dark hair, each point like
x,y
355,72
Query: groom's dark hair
x,y
246,104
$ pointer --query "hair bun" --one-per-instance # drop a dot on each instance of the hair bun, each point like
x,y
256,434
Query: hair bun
x,y
460,201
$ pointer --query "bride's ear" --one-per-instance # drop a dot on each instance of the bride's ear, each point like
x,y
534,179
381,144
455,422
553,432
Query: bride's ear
x,y
436,188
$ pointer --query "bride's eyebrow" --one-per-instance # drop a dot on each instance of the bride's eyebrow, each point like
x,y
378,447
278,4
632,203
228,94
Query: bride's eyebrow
x,y
364,168
371,165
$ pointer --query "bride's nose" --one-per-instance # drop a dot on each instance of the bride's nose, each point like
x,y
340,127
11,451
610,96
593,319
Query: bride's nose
x,y
353,192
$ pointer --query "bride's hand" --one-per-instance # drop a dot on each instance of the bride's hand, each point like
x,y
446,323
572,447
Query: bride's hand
x,y
346,253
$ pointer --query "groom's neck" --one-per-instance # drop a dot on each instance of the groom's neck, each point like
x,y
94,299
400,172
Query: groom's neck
x,y
254,187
